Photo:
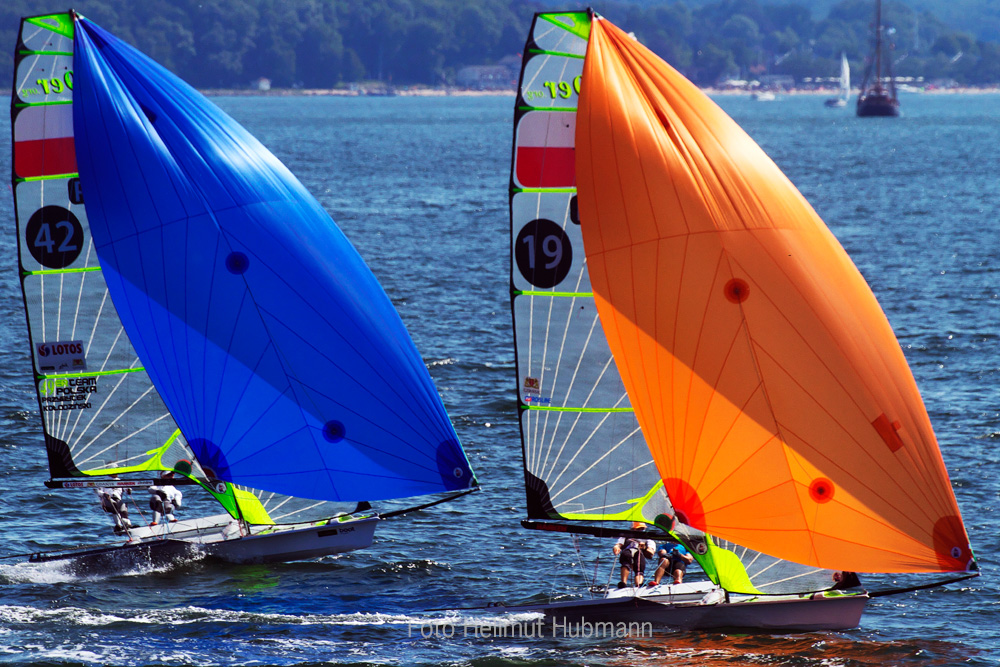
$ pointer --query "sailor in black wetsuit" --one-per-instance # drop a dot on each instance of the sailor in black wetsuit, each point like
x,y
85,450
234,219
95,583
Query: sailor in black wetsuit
x,y
632,553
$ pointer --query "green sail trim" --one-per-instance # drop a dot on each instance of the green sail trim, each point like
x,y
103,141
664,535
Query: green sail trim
x,y
155,462
240,504
560,54
530,108
61,24
729,571
722,566
544,293
577,23
50,177
25,52
90,374
49,272
633,513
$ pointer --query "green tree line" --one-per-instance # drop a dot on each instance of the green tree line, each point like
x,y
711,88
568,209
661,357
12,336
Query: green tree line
x,y
325,43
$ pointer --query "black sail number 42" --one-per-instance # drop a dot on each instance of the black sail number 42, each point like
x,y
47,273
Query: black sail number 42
x,y
54,237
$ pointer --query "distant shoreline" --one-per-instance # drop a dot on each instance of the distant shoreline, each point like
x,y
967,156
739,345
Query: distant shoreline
x,y
460,92
361,92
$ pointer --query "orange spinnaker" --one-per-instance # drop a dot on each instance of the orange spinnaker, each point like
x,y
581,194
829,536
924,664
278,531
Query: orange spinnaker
x,y
774,396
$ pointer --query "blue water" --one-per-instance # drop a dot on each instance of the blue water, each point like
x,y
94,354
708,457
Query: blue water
x,y
419,185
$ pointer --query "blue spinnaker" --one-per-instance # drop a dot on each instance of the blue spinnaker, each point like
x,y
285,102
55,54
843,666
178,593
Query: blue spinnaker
x,y
271,342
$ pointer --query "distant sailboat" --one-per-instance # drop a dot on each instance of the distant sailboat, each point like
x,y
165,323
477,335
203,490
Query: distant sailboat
x,y
874,99
696,351
195,317
845,85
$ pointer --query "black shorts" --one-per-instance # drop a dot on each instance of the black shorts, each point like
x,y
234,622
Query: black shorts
x,y
677,563
634,560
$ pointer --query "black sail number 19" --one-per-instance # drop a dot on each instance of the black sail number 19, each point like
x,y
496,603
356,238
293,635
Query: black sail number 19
x,y
543,253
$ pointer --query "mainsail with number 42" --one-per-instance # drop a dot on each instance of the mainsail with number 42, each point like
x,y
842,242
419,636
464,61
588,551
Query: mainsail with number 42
x,y
192,310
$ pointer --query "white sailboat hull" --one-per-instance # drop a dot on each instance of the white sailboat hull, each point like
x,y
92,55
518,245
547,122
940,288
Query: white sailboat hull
x,y
279,544
703,606
219,538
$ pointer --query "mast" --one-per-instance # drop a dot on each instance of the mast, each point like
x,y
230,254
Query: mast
x,y
873,98
878,45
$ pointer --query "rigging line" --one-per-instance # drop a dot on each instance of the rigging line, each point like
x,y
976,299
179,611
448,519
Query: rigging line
x,y
545,352
576,421
295,511
582,445
132,434
430,504
79,294
124,373
625,440
807,573
568,389
909,589
590,335
562,347
114,421
604,484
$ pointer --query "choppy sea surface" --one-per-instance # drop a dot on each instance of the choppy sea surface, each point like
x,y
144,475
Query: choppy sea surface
x,y
419,186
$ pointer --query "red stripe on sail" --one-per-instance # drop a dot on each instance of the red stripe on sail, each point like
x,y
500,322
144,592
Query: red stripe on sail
x,y
546,166
45,157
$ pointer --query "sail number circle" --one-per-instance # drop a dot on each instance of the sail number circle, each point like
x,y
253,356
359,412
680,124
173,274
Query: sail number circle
x,y
543,253
54,236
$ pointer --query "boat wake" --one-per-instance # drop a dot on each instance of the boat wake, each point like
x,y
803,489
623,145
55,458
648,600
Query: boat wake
x,y
91,617
62,571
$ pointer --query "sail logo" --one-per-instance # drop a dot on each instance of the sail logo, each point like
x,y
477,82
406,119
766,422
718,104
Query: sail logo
x,y
61,356
532,393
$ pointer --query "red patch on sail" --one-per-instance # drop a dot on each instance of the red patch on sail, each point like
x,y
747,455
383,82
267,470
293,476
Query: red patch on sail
x,y
546,167
821,490
952,545
888,431
687,504
45,157
737,290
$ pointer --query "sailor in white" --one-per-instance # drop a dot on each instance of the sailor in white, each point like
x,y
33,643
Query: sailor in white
x,y
163,500
113,503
